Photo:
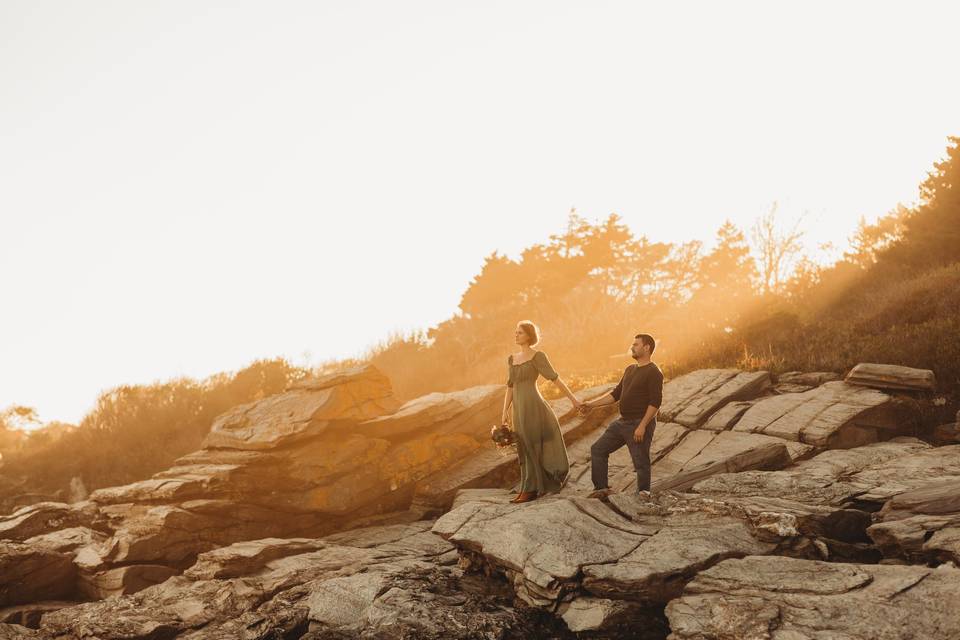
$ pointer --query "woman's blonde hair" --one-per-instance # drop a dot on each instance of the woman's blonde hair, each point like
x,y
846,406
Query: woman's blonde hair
x,y
532,331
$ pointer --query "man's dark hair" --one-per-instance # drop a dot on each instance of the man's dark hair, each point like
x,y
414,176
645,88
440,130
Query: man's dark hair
x,y
648,340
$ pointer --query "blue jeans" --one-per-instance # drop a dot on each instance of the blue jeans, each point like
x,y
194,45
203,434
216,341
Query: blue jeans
x,y
619,433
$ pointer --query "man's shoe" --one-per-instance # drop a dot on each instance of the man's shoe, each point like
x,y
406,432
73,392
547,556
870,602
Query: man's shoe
x,y
525,496
601,493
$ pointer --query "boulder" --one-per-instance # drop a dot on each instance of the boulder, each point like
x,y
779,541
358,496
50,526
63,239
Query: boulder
x,y
690,399
767,597
892,377
835,415
31,575
308,409
468,411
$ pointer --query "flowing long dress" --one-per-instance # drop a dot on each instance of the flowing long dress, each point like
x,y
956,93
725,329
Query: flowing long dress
x,y
543,456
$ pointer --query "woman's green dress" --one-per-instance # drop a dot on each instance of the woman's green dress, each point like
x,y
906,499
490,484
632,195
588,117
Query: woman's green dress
x,y
543,456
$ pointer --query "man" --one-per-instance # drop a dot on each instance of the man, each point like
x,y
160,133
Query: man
x,y
639,392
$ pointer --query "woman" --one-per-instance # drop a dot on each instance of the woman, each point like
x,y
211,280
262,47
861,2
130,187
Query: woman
x,y
543,456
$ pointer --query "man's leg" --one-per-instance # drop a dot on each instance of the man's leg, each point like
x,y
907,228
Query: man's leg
x,y
607,443
640,453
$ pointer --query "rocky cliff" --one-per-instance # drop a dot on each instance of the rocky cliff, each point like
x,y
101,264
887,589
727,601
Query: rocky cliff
x,y
796,507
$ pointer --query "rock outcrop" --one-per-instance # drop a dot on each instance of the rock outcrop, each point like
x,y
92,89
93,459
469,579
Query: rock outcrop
x,y
834,415
690,399
311,515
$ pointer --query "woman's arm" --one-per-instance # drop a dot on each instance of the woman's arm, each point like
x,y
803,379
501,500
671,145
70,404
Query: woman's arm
x,y
566,391
507,400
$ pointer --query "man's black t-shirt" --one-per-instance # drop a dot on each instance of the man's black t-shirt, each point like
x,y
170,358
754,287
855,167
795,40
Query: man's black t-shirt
x,y
639,388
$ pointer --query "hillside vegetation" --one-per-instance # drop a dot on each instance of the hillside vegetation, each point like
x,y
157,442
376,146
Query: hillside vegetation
x,y
751,301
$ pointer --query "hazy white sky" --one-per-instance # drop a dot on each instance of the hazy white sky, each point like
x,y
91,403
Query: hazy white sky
x,y
188,186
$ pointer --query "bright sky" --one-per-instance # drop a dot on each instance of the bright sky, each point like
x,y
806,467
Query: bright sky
x,y
188,186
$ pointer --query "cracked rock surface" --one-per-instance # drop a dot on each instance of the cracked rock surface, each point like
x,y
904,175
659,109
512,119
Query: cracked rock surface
x,y
761,598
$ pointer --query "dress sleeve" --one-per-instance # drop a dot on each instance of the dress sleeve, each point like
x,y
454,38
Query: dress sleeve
x,y
542,363
510,371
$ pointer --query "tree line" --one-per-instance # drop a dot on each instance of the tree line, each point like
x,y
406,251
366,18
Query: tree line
x,y
752,300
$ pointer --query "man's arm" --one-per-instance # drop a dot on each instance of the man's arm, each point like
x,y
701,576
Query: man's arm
x,y
602,401
648,417
655,390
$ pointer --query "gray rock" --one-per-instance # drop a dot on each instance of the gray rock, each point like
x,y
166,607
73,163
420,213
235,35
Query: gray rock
x,y
768,597
835,415
690,399
727,416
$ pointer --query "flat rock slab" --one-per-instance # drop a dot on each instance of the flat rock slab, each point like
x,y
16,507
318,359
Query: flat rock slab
x,y
690,399
245,558
727,452
636,548
543,545
769,597
871,474
727,415
893,377
835,415
655,571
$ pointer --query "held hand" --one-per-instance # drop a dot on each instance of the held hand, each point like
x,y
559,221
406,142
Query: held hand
x,y
638,433
583,408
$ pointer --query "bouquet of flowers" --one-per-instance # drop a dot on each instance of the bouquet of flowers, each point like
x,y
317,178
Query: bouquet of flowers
x,y
505,439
